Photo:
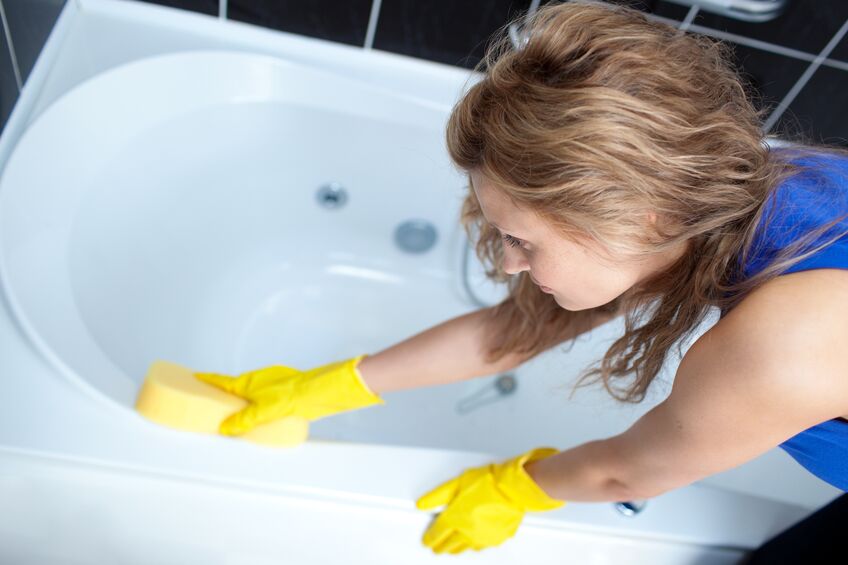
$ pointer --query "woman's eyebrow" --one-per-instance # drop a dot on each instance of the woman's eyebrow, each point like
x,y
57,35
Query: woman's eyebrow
x,y
501,229
509,232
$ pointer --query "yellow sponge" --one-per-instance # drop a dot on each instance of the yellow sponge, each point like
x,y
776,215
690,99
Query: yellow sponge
x,y
172,396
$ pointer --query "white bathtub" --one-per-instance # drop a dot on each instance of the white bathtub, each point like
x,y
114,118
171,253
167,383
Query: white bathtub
x,y
158,201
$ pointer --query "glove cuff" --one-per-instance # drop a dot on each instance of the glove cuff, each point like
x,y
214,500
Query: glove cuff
x,y
513,479
368,395
335,387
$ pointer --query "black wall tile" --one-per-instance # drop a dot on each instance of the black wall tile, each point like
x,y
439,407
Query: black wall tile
x,y
840,52
8,84
768,76
30,22
209,7
445,31
806,25
818,112
669,10
345,22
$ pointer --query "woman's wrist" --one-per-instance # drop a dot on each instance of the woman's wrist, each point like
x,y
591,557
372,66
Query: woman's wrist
x,y
367,369
360,378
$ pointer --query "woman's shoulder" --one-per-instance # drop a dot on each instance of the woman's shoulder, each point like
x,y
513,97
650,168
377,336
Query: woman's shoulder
x,y
813,294
797,324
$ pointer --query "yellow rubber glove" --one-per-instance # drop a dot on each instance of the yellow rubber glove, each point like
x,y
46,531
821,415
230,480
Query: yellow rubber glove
x,y
485,504
279,391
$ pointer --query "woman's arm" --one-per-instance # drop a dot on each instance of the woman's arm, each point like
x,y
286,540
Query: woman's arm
x,y
587,473
451,351
770,369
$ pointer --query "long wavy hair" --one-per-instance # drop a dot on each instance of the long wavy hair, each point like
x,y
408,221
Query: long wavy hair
x,y
598,113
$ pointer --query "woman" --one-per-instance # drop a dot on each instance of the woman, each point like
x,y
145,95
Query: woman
x,y
618,167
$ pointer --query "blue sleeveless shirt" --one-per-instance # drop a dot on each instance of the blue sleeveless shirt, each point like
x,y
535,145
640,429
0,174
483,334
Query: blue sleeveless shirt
x,y
804,202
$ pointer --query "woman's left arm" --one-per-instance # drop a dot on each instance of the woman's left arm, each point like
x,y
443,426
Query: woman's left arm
x,y
773,367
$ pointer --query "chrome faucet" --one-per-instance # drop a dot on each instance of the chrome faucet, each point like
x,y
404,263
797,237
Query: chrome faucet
x,y
746,10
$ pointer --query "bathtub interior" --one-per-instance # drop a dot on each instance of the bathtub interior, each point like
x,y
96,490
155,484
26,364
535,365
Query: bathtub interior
x,y
175,217
233,264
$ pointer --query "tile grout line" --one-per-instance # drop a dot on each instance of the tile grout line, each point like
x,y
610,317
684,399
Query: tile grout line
x,y
751,42
11,47
372,24
690,15
835,64
805,77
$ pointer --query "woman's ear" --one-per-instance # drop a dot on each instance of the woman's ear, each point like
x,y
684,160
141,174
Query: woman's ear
x,y
660,223
653,222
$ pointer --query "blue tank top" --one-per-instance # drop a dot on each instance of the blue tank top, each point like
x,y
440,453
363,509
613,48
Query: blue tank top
x,y
803,202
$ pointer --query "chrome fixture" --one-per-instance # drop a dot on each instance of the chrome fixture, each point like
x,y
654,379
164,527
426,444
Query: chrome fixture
x,y
517,38
630,507
332,195
412,236
503,386
415,236
745,10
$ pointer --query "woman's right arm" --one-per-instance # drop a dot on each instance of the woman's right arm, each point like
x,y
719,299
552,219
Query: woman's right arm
x,y
448,352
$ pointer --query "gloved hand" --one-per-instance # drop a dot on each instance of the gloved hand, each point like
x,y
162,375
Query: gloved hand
x,y
485,504
278,391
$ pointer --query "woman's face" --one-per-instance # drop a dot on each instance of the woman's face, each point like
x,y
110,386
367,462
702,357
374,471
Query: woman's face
x,y
577,278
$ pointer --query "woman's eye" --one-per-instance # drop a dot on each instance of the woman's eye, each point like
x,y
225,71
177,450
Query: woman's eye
x,y
511,241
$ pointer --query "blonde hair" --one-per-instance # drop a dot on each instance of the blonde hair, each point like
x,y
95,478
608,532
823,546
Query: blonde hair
x,y
603,113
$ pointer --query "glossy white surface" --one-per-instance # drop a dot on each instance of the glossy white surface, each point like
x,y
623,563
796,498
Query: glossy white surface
x,y
142,518
182,222
166,209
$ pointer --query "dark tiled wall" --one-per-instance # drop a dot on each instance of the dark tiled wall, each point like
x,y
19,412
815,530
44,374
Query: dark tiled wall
x,y
8,82
345,22
776,57
28,23
210,7
449,32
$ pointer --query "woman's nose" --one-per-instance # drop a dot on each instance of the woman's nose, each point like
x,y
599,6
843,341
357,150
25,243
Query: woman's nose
x,y
514,261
